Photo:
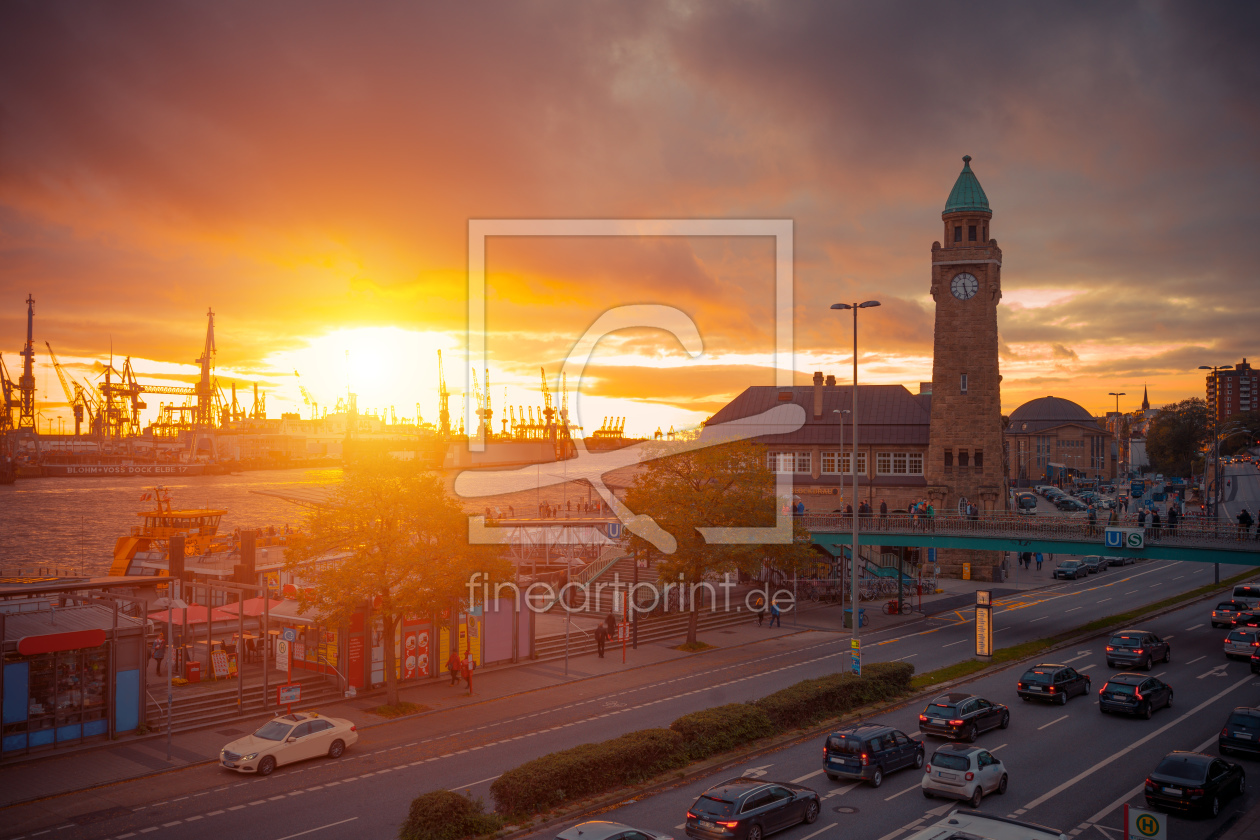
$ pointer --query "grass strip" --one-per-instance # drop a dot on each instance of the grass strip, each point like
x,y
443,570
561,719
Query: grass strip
x,y
1032,648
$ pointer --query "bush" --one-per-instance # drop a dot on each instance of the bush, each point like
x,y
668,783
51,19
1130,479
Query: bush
x,y
810,701
893,677
444,815
722,728
587,770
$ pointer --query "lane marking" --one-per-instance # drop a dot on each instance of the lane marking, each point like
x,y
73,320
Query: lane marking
x,y
1050,794
915,786
1043,618
807,776
491,779
959,642
1195,627
320,828
819,831
1053,722
1192,661
1074,609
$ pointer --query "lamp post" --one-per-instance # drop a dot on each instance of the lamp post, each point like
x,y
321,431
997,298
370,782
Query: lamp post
x,y
1216,459
1117,395
840,420
853,560
171,604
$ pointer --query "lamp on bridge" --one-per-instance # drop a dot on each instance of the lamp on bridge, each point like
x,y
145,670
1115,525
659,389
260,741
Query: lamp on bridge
x,y
1117,395
1216,459
853,461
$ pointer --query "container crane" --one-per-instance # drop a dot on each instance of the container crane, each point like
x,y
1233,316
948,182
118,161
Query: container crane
x,y
8,402
76,395
26,385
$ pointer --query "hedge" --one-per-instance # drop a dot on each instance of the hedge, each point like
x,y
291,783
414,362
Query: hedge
x,y
722,728
443,815
587,770
810,701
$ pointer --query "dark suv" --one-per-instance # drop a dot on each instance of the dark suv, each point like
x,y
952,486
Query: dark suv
x,y
964,716
1137,648
1052,682
749,809
1134,694
1241,732
866,752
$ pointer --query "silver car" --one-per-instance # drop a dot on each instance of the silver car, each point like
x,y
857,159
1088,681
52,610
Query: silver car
x,y
961,771
1242,642
605,830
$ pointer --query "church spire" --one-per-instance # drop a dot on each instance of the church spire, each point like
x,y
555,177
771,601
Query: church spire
x,y
1146,401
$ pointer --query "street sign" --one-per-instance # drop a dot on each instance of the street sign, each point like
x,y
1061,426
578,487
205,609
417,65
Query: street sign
x,y
613,529
855,656
288,634
282,655
287,694
1124,538
1143,825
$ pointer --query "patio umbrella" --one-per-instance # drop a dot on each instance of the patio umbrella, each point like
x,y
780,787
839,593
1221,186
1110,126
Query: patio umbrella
x,y
196,615
253,607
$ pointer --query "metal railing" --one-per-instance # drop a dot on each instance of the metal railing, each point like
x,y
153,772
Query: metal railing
x,y
1190,532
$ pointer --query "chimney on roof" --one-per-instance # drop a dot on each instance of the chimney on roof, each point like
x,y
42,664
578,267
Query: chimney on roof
x,y
818,386
831,381
925,388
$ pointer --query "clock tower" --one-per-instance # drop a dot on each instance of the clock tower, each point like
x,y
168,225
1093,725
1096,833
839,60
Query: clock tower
x,y
965,447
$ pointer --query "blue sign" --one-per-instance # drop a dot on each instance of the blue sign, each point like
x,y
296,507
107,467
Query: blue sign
x,y
1114,538
613,530
288,635
857,662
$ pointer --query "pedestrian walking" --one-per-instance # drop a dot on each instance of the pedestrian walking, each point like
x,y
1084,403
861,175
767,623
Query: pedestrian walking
x,y
466,669
1244,524
1141,517
1155,524
601,637
883,514
1092,529
1039,561
1173,519
931,516
453,665
610,626
775,614
761,612
1025,558
159,652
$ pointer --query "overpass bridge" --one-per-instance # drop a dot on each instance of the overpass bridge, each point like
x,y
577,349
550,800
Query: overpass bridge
x,y
1195,540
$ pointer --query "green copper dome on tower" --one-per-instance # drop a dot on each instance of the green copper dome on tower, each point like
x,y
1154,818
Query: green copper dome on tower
x,y
967,196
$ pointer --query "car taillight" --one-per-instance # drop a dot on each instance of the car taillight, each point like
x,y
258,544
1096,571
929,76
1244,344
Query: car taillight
x,y
729,824
955,723
354,728
1020,685
929,768
1138,651
691,816
1150,785
864,759
1138,695
1194,791
1052,689
922,717
1224,731
970,776
1101,690
1110,648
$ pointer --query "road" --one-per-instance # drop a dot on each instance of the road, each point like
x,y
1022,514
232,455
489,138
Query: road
x,y
367,792
1240,489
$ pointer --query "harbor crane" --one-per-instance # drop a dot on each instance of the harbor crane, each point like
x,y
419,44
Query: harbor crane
x,y
26,385
444,402
81,400
8,401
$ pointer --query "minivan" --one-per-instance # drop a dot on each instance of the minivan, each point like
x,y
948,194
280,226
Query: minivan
x,y
1248,592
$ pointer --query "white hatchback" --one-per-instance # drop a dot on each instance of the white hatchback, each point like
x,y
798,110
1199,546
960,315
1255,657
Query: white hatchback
x,y
1242,642
961,771
286,739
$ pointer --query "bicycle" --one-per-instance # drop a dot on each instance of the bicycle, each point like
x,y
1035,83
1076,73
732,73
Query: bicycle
x,y
891,607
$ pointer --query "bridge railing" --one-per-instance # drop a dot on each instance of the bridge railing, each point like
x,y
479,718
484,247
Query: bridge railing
x,y
1189,532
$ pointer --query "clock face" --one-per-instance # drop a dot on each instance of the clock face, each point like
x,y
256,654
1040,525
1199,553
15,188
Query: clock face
x,y
964,286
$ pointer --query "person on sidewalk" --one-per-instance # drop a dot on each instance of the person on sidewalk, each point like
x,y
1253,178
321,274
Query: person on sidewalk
x,y
1141,517
601,637
466,669
1092,516
159,652
1173,519
883,514
1155,524
1038,561
1244,524
453,665
775,615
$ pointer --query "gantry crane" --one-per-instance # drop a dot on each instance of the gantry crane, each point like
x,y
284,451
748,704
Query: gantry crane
x,y
8,402
26,385
76,395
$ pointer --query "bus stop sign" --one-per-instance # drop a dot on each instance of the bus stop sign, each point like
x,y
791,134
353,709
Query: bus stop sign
x,y
1143,825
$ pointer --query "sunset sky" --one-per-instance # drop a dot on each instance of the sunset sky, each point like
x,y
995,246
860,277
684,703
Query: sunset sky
x,y
309,170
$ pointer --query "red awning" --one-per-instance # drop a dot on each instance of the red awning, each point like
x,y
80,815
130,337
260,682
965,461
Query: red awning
x,y
50,642
196,615
253,606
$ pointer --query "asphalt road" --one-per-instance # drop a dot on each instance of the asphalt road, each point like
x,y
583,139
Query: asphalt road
x,y
367,792
1241,489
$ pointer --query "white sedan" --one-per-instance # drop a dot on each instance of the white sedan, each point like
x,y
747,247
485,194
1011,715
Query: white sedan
x,y
961,771
286,739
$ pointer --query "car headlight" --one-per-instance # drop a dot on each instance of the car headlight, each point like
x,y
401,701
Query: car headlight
x,y
249,757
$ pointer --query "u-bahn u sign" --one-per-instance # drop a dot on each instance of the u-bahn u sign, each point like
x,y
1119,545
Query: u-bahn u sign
x,y
1124,538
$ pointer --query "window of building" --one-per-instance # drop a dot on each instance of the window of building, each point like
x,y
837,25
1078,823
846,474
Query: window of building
x,y
962,458
962,385
838,462
829,463
971,233
958,233
985,234
899,463
804,462
979,459
949,459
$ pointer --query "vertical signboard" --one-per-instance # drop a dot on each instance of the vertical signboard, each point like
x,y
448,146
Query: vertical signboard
x,y
856,655
984,624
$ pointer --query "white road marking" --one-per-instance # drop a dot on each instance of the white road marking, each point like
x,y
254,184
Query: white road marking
x,y
1048,795
1130,592
1053,722
959,642
1192,661
1085,668
995,749
914,786
1043,618
807,776
320,828
1074,609
1218,671
1104,599
907,656
819,831
1195,627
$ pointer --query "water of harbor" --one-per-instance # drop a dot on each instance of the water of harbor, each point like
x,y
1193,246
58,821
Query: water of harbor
x,y
74,522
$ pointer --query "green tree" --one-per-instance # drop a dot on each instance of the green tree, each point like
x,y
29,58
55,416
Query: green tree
x,y
1178,435
389,535
725,486
1238,442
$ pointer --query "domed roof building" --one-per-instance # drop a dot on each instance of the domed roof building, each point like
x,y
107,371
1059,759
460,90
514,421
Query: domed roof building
x,y
1052,439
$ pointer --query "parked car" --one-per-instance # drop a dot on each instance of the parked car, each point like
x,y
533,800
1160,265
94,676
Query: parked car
x,y
1241,732
749,809
959,715
1226,612
605,830
958,771
1196,782
1070,569
1106,488
1093,563
1070,504
1255,661
286,739
869,751
1137,648
1118,561
1042,489
1134,694
1052,682
1242,642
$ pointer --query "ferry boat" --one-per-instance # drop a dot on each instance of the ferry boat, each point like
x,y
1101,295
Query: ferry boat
x,y
198,526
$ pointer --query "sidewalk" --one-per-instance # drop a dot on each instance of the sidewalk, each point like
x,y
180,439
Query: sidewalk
x,y
1246,827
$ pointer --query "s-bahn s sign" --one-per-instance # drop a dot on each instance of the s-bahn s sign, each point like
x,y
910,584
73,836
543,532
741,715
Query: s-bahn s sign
x,y
1124,538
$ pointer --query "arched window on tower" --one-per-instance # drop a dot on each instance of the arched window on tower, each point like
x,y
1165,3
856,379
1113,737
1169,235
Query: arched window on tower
x,y
958,233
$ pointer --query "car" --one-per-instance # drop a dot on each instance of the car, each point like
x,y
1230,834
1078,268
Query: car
x,y
1247,592
1092,563
1246,618
959,771
606,830
1052,682
286,739
1134,694
1241,732
749,809
1255,662
965,823
1070,504
1105,504
1107,488
1053,493
1195,782
1242,642
868,752
1226,612
1137,648
960,715
1118,561
1041,489
1069,569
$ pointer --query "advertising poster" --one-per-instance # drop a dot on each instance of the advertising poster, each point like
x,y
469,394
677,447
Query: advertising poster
x,y
219,664
355,654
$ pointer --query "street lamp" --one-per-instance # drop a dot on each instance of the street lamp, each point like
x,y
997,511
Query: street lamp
x,y
853,560
171,604
840,420
1117,395
1216,457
